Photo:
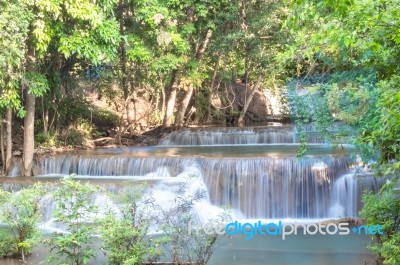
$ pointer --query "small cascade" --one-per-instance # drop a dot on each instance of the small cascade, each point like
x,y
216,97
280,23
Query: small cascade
x,y
345,197
347,193
15,169
112,166
236,136
274,187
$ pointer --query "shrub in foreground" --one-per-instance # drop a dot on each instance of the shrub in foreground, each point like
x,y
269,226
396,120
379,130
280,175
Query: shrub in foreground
x,y
20,213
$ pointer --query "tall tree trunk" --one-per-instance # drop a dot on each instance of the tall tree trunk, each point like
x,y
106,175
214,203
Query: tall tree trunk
x,y
122,50
131,111
210,92
9,138
247,102
29,144
195,110
169,112
45,117
29,122
185,103
163,100
3,159
189,92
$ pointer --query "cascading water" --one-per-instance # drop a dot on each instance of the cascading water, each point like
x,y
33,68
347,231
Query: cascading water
x,y
254,180
233,136
346,193
259,187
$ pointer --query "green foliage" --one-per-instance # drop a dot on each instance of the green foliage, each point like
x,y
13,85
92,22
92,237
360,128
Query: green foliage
x,y
361,36
79,120
8,245
36,83
47,140
383,208
74,208
382,130
346,36
348,102
125,231
14,26
336,105
20,213
73,137
184,245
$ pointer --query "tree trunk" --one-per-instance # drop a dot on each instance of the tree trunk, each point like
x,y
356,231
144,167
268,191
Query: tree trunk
x,y
185,103
169,112
196,111
162,103
29,141
122,50
29,122
189,92
211,90
9,138
247,102
3,159
45,114
131,111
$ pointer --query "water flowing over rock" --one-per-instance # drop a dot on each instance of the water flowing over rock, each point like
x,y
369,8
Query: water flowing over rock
x,y
234,136
254,172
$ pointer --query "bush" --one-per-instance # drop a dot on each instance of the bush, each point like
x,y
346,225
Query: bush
x,y
383,208
74,205
46,140
184,245
124,232
74,137
20,212
8,245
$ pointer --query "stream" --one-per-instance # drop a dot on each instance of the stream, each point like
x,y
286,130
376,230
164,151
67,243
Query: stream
x,y
255,171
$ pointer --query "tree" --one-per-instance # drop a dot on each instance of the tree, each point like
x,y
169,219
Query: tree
x,y
332,38
14,23
247,45
85,30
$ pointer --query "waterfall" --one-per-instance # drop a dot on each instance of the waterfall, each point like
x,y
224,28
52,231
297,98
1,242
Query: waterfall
x,y
257,187
344,197
254,172
347,193
274,187
15,168
234,136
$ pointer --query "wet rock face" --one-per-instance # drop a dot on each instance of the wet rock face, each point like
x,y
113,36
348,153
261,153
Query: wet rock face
x,y
231,99
259,107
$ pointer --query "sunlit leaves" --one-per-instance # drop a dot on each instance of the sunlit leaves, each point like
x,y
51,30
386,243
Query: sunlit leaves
x,y
14,22
36,83
383,208
356,33
20,212
97,45
75,205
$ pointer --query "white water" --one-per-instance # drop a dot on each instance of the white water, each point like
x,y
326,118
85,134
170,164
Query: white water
x,y
236,136
259,182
